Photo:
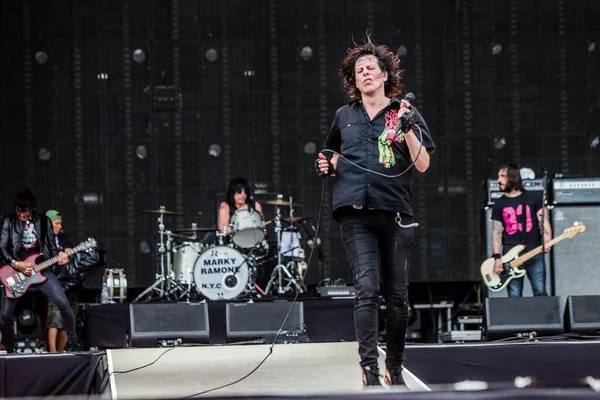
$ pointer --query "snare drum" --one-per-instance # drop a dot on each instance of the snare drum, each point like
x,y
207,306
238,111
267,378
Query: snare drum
x,y
114,286
221,273
247,228
184,257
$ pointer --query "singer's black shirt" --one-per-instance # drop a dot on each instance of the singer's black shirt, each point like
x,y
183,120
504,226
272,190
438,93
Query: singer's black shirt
x,y
357,138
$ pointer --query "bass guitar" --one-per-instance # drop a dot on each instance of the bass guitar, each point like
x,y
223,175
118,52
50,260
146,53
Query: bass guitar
x,y
17,283
511,261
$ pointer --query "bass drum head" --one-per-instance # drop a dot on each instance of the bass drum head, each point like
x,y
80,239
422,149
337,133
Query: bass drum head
x,y
221,273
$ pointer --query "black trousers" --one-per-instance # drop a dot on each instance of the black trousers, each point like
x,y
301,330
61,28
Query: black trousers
x,y
370,235
51,288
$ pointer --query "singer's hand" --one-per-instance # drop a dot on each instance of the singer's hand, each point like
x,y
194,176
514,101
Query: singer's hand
x,y
404,104
323,166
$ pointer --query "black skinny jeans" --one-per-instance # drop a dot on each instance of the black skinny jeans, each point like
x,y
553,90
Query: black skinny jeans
x,y
370,235
51,288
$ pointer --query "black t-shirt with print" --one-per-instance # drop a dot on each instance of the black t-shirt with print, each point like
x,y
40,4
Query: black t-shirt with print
x,y
29,241
509,211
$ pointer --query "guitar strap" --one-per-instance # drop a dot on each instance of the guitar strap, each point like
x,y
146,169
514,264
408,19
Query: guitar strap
x,y
522,218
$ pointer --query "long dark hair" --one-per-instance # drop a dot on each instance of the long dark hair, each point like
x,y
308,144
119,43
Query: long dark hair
x,y
388,62
235,184
513,174
25,200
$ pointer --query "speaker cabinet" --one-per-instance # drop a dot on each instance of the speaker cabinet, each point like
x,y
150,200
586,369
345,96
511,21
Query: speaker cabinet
x,y
515,316
582,315
487,245
152,323
258,320
576,260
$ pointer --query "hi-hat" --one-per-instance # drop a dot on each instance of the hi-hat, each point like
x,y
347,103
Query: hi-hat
x,y
161,211
293,220
280,202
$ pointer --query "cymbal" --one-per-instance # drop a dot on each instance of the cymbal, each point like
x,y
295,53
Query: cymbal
x,y
293,220
191,230
161,211
280,202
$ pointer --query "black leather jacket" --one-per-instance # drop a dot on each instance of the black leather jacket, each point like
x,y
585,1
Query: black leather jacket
x,y
12,230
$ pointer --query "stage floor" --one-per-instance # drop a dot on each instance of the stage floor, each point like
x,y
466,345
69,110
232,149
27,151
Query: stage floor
x,y
292,369
313,370
332,369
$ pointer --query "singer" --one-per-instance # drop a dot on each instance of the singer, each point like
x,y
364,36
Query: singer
x,y
375,211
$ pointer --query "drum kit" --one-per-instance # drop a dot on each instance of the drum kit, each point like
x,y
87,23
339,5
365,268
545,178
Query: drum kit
x,y
227,269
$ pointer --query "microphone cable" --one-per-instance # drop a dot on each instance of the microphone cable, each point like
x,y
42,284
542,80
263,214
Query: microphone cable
x,y
379,173
270,351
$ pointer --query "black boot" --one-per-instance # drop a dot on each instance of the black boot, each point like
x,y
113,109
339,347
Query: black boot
x,y
73,347
393,375
370,376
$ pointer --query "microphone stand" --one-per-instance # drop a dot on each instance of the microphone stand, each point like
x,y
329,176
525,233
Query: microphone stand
x,y
542,225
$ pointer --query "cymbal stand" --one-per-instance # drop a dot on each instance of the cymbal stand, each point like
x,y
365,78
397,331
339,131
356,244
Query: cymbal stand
x,y
281,269
290,252
221,236
291,209
159,285
300,268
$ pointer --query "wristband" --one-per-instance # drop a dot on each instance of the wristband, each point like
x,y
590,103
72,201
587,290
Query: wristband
x,y
497,256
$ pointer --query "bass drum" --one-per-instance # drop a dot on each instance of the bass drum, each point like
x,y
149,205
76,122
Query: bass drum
x,y
221,273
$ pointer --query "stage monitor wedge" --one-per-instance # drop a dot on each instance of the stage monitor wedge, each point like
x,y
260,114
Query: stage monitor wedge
x,y
582,315
522,317
247,321
155,323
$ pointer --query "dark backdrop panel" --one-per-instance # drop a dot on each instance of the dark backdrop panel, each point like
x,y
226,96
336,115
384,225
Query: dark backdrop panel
x,y
252,89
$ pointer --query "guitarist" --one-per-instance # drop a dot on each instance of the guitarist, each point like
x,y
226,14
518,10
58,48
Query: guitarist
x,y
514,223
25,233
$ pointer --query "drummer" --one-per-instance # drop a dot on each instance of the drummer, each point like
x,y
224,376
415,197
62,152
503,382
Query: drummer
x,y
238,197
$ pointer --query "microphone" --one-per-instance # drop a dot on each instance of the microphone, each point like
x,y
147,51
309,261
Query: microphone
x,y
410,97
407,119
